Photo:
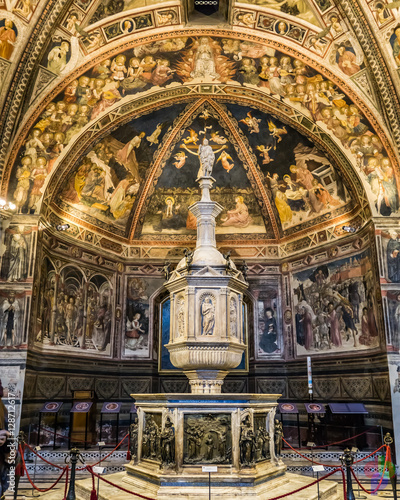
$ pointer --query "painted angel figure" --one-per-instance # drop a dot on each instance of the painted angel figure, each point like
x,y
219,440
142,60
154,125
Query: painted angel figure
x,y
193,137
224,158
181,159
218,139
265,154
252,123
153,138
276,132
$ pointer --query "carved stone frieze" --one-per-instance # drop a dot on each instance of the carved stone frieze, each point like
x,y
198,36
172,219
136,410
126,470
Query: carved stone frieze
x,y
298,389
29,385
271,386
381,385
327,388
234,386
175,386
357,387
106,388
50,386
80,384
137,386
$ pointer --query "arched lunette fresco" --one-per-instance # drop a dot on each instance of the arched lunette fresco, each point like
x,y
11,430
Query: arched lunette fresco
x,y
89,138
251,41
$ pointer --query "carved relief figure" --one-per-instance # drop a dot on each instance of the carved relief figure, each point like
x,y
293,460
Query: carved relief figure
x,y
207,439
278,437
233,317
247,442
207,157
151,437
262,440
167,443
208,315
181,316
133,435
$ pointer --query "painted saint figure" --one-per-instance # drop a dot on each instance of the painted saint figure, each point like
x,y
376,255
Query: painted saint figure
x,y
207,316
393,258
57,58
18,268
134,333
8,39
239,216
10,322
204,65
269,337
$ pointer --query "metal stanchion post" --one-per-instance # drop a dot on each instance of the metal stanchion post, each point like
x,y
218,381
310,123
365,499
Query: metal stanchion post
x,y
209,469
21,442
359,496
347,460
74,458
318,469
100,444
388,440
34,471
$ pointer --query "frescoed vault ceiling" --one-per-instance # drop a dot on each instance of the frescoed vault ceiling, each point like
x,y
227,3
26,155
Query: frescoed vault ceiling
x,y
104,105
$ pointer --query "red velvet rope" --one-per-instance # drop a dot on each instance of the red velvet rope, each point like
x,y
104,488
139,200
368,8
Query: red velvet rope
x,y
275,498
326,465
79,468
387,459
42,458
42,490
89,468
343,440
303,456
308,486
111,452
370,455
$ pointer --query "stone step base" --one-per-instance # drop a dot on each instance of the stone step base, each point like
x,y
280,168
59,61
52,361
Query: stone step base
x,y
268,490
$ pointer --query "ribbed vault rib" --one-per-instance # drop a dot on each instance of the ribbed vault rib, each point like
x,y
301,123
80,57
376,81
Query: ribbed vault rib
x,y
353,12
250,162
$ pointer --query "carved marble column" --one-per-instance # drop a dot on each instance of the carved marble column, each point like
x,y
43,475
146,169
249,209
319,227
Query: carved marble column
x,y
206,291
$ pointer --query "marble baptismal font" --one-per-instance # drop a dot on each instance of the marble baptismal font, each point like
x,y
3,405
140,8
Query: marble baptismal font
x,y
178,437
